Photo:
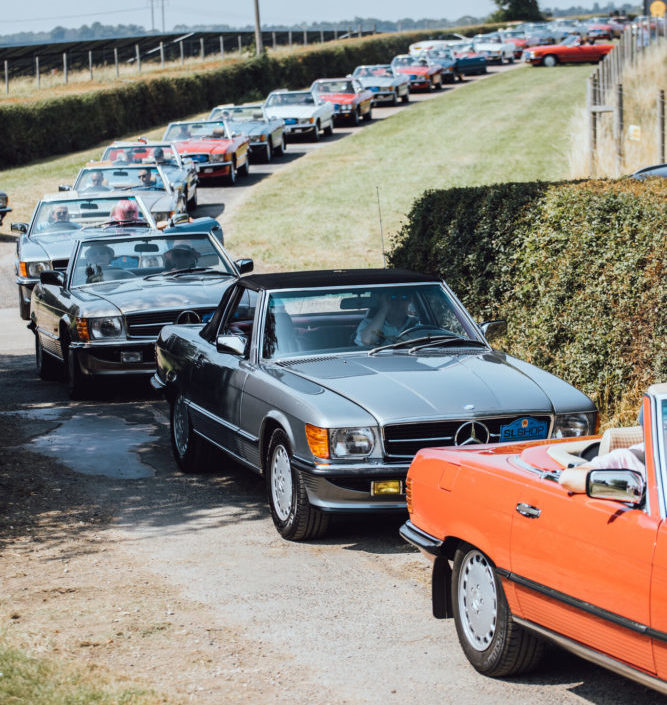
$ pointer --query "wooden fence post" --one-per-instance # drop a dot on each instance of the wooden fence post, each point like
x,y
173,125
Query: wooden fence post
x,y
37,70
138,53
618,128
115,61
240,40
180,49
6,77
289,37
592,125
65,66
335,34
201,48
161,54
222,48
273,39
321,36
305,37
661,126
90,64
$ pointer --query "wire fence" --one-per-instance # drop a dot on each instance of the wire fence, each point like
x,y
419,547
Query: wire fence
x,y
605,97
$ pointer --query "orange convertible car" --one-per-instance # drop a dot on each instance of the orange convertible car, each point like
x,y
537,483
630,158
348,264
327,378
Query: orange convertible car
x,y
518,558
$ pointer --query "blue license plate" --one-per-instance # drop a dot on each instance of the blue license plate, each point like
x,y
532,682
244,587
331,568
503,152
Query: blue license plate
x,y
524,429
290,121
375,89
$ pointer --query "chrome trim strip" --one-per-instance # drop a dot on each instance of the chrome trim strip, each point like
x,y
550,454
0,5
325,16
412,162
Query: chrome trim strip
x,y
595,656
587,607
213,417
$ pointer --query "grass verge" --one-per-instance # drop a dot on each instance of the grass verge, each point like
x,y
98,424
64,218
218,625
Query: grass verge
x,y
322,211
26,680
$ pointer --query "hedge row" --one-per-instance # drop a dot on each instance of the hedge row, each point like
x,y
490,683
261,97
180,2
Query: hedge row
x,y
578,269
35,130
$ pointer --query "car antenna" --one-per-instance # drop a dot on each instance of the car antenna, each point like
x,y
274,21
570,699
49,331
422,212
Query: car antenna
x,y
384,256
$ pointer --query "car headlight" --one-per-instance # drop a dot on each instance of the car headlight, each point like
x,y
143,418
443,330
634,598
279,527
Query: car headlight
x,y
34,268
571,425
217,157
306,121
107,327
347,443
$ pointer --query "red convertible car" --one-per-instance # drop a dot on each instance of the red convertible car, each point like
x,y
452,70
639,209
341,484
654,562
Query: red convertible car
x,y
572,50
350,100
423,74
543,540
211,145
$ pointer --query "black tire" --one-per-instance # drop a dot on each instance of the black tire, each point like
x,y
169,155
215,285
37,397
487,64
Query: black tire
x,y
511,59
316,132
280,149
24,308
293,515
231,177
48,367
268,154
77,383
191,451
438,85
192,202
394,99
245,169
494,644
355,117
328,130
406,97
369,115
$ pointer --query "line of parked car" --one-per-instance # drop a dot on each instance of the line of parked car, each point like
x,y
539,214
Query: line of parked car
x,y
341,387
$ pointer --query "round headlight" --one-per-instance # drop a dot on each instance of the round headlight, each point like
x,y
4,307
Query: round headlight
x,y
346,442
34,268
108,327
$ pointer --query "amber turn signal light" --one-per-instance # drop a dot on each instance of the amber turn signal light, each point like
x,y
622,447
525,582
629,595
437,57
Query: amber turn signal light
x,y
318,441
82,330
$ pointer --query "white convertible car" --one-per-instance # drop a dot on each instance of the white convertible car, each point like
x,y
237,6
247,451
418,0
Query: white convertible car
x,y
302,112
494,48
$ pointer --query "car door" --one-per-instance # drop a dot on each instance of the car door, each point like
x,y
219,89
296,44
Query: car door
x,y
582,568
218,377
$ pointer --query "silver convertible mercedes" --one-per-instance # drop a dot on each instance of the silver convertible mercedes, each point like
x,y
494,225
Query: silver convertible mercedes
x,y
329,382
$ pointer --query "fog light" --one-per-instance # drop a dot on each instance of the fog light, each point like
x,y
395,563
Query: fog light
x,y
382,487
130,357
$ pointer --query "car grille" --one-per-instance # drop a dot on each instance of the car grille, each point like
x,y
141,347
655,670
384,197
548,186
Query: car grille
x,y
148,325
404,440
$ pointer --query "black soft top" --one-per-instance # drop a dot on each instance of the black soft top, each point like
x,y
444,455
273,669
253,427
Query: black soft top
x,y
332,277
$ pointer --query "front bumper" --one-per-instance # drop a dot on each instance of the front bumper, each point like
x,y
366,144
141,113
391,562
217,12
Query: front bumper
x,y
426,543
112,359
299,129
211,170
347,488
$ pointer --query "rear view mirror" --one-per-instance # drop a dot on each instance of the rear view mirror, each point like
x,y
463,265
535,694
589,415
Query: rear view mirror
x,y
64,187
244,265
618,485
494,329
19,228
52,278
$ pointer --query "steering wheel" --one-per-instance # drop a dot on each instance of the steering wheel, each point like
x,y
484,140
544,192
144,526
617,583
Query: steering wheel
x,y
421,328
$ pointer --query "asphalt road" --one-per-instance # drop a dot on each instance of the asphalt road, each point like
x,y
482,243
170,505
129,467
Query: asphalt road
x,y
346,617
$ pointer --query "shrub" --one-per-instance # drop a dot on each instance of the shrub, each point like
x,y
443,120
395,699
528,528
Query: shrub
x,y
578,269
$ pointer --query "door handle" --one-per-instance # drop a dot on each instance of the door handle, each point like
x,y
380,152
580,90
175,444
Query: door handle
x,y
528,510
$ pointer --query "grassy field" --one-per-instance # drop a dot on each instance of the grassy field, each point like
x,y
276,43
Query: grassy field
x,y
322,210
25,680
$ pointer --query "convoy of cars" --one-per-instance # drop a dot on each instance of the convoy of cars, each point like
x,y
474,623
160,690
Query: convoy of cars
x,y
361,390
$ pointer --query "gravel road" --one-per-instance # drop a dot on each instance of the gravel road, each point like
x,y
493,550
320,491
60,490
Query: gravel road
x,y
345,619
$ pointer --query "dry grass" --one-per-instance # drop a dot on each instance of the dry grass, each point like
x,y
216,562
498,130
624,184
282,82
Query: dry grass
x,y
641,84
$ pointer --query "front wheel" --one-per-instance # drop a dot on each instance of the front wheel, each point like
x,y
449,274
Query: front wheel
x,y
406,97
231,177
245,169
369,115
268,154
48,368
316,132
293,515
24,307
550,60
328,130
280,148
491,641
189,449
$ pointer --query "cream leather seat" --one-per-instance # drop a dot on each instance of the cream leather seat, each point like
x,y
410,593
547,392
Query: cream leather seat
x,y
614,438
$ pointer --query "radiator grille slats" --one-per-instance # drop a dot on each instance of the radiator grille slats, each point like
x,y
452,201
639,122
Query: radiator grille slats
x,y
149,324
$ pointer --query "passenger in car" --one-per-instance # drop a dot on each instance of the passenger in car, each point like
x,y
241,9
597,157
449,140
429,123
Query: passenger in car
x,y
384,323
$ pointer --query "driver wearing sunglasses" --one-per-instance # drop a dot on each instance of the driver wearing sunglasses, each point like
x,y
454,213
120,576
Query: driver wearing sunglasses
x,y
385,321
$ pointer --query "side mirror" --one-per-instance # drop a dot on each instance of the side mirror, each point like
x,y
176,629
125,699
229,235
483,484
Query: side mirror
x,y
494,329
234,344
245,265
179,219
52,278
19,228
618,485
64,187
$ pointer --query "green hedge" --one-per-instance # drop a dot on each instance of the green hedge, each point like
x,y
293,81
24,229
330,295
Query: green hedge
x,y
578,269
35,130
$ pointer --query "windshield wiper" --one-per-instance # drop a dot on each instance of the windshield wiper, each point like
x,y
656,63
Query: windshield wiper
x,y
453,341
111,223
425,342
188,270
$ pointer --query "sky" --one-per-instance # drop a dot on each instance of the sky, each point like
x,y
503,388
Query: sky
x,y
42,15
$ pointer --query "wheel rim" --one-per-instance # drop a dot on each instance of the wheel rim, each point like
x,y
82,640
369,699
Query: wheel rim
x,y
38,353
477,600
181,426
281,483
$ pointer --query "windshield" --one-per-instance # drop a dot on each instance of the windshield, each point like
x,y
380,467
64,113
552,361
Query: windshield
x,y
295,98
359,319
408,61
74,214
571,41
441,55
239,113
342,86
104,260
197,130
380,71
119,178
162,154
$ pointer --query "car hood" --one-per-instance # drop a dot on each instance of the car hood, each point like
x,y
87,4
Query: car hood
x,y
381,81
399,387
339,97
288,111
415,70
133,296
194,146
251,127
